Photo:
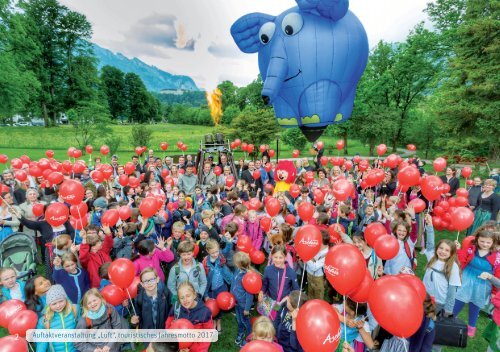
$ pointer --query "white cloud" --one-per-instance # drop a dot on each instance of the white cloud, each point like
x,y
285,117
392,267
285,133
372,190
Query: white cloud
x,y
201,30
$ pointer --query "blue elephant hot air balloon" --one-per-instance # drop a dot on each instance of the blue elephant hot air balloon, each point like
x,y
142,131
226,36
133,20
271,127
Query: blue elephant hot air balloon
x,y
311,58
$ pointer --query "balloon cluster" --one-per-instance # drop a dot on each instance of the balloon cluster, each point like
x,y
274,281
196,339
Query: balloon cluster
x,y
181,146
17,319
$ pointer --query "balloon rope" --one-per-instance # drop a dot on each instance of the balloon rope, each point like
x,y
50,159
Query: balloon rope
x,y
356,314
79,216
30,346
458,234
345,323
130,299
301,283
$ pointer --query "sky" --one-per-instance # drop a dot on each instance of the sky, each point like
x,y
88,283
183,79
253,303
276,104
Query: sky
x,y
191,37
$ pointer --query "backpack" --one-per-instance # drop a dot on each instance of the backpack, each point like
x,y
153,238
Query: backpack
x,y
411,256
89,321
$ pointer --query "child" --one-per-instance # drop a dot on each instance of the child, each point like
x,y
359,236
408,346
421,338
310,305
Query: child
x,y
94,252
279,280
345,220
406,255
369,216
263,329
253,230
285,322
190,307
73,279
208,219
35,291
11,287
149,256
422,340
59,314
182,214
187,269
284,237
314,268
177,236
228,242
97,314
152,302
481,256
358,330
244,300
373,263
202,244
218,274
240,213
442,273
124,239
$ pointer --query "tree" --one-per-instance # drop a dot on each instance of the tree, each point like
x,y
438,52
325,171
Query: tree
x,y
230,113
90,120
229,94
141,135
251,95
113,85
255,126
342,130
137,96
294,138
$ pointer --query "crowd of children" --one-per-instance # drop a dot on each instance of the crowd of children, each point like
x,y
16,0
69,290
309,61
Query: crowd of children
x,y
187,254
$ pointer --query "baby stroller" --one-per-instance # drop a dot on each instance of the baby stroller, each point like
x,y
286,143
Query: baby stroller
x,y
19,251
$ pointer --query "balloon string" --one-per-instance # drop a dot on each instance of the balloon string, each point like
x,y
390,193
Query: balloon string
x,y
11,209
356,314
345,323
301,283
130,299
458,234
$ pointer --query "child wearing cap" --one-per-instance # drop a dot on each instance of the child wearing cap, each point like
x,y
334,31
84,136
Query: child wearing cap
x,y
59,314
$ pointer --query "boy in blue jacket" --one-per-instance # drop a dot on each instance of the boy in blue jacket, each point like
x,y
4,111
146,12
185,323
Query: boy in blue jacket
x,y
285,322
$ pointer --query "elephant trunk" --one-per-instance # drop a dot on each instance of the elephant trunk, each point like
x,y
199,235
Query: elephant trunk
x,y
276,73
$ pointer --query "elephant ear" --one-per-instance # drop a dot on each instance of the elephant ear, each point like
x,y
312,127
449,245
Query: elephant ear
x,y
332,9
245,31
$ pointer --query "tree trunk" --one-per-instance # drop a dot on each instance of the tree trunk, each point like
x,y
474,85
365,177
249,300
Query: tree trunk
x,y
372,146
45,115
344,136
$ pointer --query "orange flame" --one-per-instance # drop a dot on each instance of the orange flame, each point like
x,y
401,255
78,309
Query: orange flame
x,y
214,100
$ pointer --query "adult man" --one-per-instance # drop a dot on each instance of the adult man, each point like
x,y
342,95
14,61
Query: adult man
x,y
264,177
138,167
223,161
187,182
168,163
114,165
247,175
15,190
182,163
208,178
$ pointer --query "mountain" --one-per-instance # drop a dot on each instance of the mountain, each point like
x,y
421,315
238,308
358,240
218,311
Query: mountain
x,y
154,78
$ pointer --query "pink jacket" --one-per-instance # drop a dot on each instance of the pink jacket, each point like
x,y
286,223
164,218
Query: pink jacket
x,y
242,224
496,311
254,231
145,261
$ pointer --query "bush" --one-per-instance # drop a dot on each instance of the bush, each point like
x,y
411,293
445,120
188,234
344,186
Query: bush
x,y
113,142
141,135
294,138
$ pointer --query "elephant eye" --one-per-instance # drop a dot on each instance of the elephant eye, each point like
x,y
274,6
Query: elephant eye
x,y
292,23
266,32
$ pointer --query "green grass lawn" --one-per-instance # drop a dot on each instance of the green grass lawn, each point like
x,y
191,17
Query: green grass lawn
x,y
34,141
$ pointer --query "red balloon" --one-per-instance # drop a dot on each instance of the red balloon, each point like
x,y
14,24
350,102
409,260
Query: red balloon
x,y
148,207
462,192
334,231
467,241
306,211
22,322
212,305
229,181
113,294
226,301
391,294
78,167
56,214
340,144
49,153
3,159
461,202
257,257
344,267
262,148
374,231
271,153
89,149
129,168
121,272
417,204
342,189
273,207
163,146
254,204
21,175
252,282
55,178
409,176
8,310
97,176
294,190
411,147
431,187
110,218
256,174
319,196
124,212
295,153
462,218
381,149
361,293
259,346
437,223
72,192
308,242
37,209
318,326
290,219
469,182
309,176
70,151
133,288
217,171
416,283
265,223
104,150
77,153
323,160
78,211
466,172
445,188
386,247
439,164
123,180
13,343
392,161
244,243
